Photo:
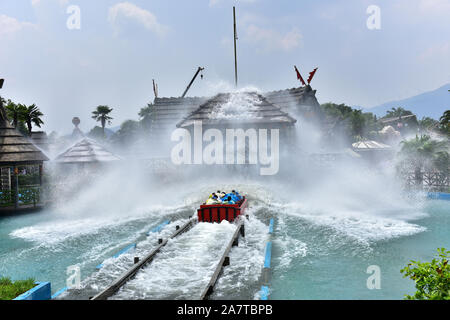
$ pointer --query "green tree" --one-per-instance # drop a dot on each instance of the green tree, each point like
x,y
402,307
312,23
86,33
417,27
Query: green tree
x,y
444,122
97,133
398,112
32,115
128,133
432,278
427,124
410,123
423,152
101,114
145,115
353,123
421,149
14,112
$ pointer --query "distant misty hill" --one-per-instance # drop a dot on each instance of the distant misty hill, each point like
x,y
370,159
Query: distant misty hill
x,y
429,104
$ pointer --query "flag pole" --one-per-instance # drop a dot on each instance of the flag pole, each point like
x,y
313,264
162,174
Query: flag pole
x,y
235,55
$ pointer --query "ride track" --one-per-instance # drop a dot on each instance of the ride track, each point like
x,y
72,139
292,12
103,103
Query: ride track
x,y
131,273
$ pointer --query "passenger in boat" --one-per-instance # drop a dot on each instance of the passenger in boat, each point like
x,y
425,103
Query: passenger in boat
x,y
220,194
236,196
213,200
228,201
225,197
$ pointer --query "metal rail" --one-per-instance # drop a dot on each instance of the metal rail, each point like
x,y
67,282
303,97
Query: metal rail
x,y
224,261
119,282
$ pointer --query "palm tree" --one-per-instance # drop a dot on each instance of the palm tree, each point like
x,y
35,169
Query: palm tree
x,y
32,114
15,112
145,115
397,112
444,122
421,152
101,114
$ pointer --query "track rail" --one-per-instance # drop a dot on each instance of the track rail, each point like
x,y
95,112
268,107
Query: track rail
x,y
120,281
224,261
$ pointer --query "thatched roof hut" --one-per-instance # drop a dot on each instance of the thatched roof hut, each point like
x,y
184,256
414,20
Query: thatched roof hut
x,y
242,109
168,112
370,145
86,151
15,149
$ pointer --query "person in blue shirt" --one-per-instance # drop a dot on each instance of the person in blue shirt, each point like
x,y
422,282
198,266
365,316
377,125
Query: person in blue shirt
x,y
228,201
236,196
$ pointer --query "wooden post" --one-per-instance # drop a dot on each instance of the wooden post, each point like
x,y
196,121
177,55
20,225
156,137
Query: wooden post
x,y
16,187
235,54
40,174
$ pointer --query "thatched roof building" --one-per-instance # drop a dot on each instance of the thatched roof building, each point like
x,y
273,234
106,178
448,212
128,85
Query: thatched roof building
x,y
168,112
370,145
15,149
238,109
86,151
296,101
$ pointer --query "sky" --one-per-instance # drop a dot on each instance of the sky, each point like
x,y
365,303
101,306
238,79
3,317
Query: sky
x,y
69,56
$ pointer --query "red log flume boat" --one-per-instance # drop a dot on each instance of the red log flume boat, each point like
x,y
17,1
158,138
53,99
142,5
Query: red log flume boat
x,y
219,212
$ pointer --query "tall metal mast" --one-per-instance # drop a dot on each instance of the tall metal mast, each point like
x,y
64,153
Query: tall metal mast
x,y
235,55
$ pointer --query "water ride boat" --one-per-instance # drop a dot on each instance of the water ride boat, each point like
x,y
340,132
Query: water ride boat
x,y
219,212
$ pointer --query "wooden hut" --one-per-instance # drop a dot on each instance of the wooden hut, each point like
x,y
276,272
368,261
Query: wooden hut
x,y
168,112
245,117
18,156
239,110
373,150
86,153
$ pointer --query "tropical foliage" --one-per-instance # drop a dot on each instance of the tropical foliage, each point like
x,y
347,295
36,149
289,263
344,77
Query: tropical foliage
x,y
424,152
351,123
23,117
32,115
408,124
444,122
10,290
427,124
432,278
101,114
128,133
145,115
14,112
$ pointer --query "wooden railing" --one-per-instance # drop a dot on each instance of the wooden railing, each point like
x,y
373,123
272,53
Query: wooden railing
x,y
427,180
30,195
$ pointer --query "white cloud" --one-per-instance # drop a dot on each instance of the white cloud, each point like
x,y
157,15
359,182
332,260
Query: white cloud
x,y
9,25
273,40
133,12
35,3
